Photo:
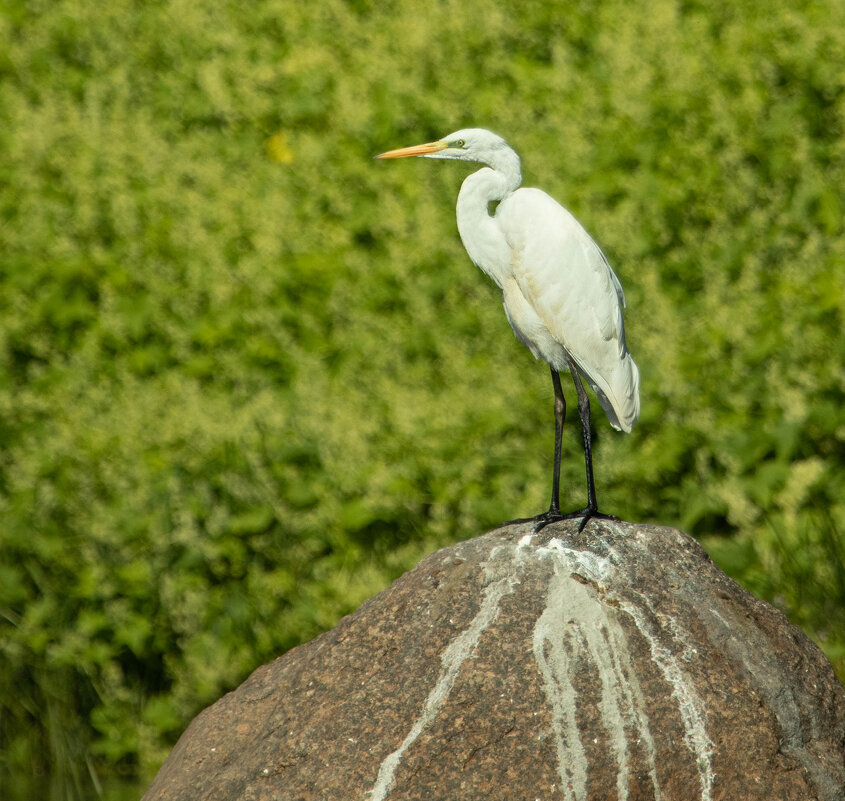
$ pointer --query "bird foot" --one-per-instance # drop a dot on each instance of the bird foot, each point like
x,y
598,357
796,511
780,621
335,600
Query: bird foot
x,y
540,521
554,516
586,514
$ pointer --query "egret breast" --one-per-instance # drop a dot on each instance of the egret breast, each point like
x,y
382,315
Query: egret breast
x,y
529,328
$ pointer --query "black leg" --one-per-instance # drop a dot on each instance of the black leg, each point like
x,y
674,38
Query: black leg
x,y
560,414
592,509
554,507
587,434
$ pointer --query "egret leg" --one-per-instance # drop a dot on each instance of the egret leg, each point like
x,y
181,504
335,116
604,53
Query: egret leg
x,y
553,514
592,509
560,414
587,434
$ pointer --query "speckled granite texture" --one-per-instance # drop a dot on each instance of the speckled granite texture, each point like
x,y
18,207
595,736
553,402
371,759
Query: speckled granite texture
x,y
618,663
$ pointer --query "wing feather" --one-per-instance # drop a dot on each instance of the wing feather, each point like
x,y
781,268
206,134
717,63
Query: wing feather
x,y
566,279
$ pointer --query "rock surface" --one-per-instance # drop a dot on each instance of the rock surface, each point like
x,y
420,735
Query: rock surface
x,y
618,663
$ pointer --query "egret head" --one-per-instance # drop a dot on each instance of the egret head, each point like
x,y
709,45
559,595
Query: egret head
x,y
468,144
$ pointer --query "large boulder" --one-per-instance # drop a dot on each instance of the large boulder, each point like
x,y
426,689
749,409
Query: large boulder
x,y
615,663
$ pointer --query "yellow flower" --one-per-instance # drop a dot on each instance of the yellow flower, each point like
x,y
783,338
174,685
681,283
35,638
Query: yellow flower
x,y
277,149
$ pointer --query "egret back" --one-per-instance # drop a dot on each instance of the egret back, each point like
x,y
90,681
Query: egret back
x,y
571,300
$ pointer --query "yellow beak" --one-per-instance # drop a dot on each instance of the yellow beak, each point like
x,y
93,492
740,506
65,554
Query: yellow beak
x,y
414,150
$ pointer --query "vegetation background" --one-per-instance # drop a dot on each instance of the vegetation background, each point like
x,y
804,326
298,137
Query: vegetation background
x,y
248,375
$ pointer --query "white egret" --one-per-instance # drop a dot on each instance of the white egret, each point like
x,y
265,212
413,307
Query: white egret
x,y
561,296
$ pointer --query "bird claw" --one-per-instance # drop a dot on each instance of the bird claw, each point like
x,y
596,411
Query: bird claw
x,y
553,516
586,515
540,521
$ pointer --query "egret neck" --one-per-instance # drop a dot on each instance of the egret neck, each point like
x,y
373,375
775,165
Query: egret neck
x,y
483,239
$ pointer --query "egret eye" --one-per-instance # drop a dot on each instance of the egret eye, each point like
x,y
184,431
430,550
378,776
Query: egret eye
x,y
460,143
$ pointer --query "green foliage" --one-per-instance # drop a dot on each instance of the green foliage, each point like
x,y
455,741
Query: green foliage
x,y
248,375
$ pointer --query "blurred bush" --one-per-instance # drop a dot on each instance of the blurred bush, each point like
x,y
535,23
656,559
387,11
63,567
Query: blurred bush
x,y
249,375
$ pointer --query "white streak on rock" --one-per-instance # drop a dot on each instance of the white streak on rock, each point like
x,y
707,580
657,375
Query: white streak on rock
x,y
690,705
451,660
555,663
622,702
574,626
635,701
573,615
612,707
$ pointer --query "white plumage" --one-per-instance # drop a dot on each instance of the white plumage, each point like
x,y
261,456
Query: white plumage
x,y
561,297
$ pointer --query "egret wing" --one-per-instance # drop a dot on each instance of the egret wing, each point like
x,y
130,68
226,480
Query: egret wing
x,y
563,275
566,279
